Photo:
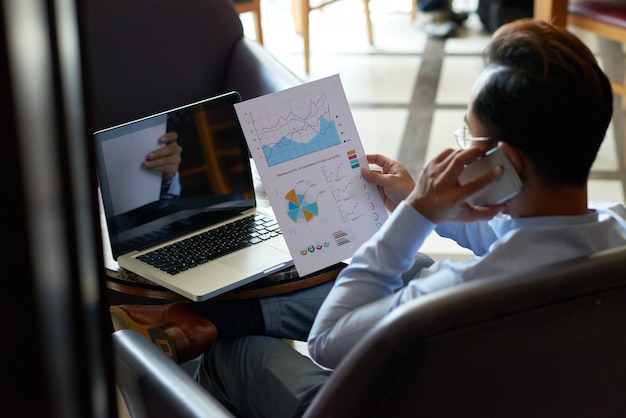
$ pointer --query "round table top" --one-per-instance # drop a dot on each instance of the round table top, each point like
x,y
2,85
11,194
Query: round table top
x,y
283,281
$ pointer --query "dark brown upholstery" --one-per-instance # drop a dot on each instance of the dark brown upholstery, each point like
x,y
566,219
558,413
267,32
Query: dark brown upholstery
x,y
153,385
147,56
547,344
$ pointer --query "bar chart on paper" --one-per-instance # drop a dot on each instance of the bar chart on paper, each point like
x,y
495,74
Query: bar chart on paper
x,y
309,155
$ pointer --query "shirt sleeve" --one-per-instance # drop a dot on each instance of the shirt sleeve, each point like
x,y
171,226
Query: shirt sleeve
x,y
370,287
363,292
475,236
171,188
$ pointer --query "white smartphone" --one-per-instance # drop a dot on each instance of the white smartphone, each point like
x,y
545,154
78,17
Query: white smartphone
x,y
501,190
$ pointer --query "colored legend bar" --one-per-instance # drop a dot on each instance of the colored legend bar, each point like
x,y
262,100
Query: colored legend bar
x,y
354,161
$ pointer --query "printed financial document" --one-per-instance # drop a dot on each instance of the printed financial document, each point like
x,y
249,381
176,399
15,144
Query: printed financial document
x,y
309,156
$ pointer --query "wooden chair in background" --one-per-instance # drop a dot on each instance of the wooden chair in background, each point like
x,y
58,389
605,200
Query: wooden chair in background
x,y
607,20
254,6
301,10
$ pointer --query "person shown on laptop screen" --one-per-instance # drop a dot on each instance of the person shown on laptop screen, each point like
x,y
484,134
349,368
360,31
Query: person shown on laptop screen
x,y
158,175
166,160
181,175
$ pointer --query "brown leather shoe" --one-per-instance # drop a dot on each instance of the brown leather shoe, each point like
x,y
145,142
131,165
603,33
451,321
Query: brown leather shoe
x,y
175,328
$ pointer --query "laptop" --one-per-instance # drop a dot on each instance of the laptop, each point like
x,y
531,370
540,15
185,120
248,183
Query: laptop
x,y
195,234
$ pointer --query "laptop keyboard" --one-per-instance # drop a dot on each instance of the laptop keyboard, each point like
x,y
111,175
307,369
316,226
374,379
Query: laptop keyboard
x,y
212,244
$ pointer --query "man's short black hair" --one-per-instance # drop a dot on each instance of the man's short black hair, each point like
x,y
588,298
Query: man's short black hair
x,y
548,98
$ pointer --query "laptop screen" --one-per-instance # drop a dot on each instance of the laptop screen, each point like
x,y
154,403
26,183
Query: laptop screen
x,y
213,183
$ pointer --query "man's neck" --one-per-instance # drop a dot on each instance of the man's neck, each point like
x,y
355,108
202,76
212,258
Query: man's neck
x,y
561,201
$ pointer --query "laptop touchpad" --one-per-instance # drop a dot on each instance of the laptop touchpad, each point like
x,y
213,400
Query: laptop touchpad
x,y
248,261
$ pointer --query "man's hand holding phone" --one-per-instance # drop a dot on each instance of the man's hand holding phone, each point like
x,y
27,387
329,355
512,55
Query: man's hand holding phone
x,y
501,190
440,196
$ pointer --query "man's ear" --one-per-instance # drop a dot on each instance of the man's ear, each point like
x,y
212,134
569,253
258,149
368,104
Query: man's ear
x,y
514,155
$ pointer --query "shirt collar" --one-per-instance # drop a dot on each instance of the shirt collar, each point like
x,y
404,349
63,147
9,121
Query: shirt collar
x,y
503,224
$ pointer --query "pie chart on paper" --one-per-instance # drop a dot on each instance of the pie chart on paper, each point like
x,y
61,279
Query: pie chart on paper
x,y
300,208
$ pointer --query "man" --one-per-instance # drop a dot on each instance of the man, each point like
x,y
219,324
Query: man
x,y
543,100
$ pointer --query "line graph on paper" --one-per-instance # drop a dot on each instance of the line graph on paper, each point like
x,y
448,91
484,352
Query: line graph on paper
x,y
295,128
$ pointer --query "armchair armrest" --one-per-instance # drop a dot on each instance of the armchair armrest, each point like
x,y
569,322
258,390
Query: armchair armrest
x,y
153,385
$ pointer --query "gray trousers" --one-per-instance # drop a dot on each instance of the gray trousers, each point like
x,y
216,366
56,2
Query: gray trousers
x,y
262,375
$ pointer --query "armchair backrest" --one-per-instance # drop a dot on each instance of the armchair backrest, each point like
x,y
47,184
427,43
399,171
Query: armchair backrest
x,y
148,56
548,343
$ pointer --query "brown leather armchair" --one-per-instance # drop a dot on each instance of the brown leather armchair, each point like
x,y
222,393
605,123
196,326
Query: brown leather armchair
x,y
147,56
545,343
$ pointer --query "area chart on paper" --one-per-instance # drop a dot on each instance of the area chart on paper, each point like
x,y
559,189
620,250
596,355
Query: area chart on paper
x,y
301,126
